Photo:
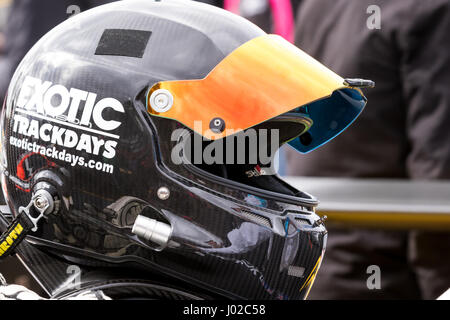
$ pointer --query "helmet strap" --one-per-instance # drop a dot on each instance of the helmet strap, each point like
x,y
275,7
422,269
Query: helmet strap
x,y
40,204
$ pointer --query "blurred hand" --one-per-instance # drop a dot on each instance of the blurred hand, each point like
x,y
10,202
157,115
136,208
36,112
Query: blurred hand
x,y
17,292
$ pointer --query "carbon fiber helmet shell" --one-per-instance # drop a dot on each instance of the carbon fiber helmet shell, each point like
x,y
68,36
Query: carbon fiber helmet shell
x,y
107,157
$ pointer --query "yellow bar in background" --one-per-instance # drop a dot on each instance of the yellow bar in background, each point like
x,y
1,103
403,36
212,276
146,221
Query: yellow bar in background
x,y
386,220
380,203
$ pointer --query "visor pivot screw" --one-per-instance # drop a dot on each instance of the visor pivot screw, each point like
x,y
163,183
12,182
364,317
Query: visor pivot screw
x,y
217,125
40,202
161,100
163,193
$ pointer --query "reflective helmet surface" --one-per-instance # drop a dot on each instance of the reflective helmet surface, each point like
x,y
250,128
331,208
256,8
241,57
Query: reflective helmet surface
x,y
77,121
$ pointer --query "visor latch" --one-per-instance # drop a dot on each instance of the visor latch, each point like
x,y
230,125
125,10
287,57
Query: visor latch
x,y
217,125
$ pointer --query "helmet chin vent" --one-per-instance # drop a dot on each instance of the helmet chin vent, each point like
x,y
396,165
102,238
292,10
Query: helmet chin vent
x,y
256,218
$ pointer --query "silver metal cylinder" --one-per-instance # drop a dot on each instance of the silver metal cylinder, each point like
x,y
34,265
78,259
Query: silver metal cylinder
x,y
152,230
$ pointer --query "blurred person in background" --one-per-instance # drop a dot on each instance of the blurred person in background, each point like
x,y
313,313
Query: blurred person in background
x,y
4,10
403,133
28,21
273,16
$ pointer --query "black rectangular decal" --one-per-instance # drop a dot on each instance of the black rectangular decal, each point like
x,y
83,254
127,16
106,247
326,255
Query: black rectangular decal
x,y
122,42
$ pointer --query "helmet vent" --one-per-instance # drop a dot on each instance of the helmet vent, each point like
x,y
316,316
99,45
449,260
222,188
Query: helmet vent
x,y
295,271
305,211
256,218
302,222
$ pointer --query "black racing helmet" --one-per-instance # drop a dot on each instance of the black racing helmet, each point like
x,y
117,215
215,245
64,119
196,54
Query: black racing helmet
x,y
125,115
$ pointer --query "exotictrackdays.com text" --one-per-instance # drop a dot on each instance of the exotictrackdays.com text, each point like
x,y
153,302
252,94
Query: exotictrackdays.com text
x,y
52,152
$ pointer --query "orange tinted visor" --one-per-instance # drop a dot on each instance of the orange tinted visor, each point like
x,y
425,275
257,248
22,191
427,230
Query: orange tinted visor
x,y
262,79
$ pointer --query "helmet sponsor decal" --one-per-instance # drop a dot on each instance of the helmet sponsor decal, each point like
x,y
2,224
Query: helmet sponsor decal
x,y
51,113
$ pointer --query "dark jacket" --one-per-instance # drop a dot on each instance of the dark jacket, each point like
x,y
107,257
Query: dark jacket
x,y
404,131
